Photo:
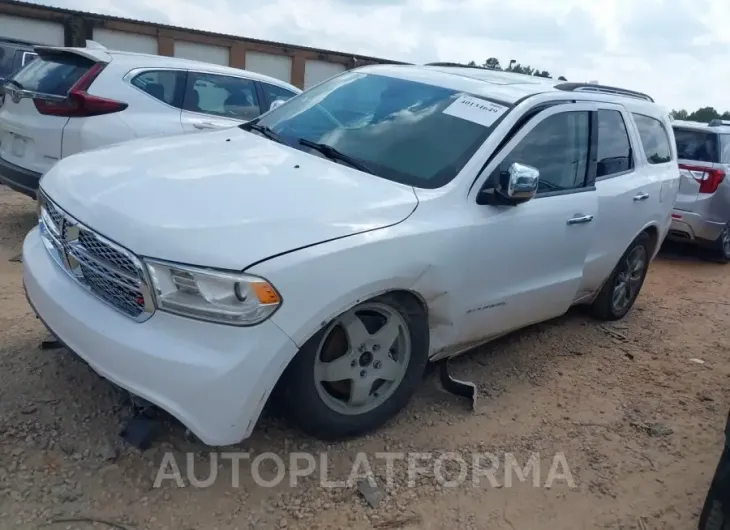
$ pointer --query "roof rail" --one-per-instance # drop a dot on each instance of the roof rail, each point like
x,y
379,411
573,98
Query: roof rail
x,y
718,122
602,89
459,65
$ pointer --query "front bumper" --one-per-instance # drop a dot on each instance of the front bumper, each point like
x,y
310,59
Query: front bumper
x,y
215,379
19,179
693,227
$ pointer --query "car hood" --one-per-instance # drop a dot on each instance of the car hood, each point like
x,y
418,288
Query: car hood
x,y
222,199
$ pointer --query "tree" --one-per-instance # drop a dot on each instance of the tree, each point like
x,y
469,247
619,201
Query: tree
x,y
492,63
703,115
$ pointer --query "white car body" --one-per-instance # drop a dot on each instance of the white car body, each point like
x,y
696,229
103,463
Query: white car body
x,y
31,141
327,237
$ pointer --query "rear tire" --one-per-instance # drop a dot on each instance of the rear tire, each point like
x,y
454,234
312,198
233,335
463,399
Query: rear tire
x,y
358,372
720,248
620,291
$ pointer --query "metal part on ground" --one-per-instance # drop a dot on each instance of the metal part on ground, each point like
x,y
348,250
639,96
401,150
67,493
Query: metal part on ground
x,y
457,387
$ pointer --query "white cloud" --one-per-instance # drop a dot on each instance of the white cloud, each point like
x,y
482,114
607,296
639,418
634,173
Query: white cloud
x,y
671,49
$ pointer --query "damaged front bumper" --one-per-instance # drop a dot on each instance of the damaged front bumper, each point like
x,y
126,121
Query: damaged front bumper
x,y
215,379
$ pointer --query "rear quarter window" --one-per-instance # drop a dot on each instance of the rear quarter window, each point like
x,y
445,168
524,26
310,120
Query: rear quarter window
x,y
654,139
702,146
53,74
167,86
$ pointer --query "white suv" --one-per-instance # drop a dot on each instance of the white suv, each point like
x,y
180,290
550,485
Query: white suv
x,y
390,216
75,99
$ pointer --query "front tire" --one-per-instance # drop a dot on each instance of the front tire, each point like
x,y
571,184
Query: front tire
x,y
359,371
714,515
620,291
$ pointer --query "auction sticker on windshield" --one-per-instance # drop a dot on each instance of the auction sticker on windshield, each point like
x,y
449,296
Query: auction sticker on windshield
x,y
476,110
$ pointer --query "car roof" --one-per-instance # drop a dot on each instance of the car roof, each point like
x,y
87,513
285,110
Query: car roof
x,y
701,126
509,87
143,60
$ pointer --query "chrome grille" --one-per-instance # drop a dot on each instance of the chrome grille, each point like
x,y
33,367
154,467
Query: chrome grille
x,y
110,272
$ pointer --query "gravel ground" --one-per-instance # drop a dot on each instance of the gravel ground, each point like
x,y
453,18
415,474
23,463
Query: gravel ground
x,y
639,423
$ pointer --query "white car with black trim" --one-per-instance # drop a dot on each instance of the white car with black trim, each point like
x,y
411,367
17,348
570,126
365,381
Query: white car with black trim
x,y
327,251
71,100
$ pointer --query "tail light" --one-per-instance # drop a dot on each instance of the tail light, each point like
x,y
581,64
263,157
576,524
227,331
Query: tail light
x,y
708,178
79,103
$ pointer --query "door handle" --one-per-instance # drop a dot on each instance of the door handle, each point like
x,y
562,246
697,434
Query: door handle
x,y
641,196
580,219
205,125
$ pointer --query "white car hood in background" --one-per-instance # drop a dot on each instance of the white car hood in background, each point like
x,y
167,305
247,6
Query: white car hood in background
x,y
223,199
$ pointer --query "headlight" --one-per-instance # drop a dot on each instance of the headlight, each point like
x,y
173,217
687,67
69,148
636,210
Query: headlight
x,y
215,296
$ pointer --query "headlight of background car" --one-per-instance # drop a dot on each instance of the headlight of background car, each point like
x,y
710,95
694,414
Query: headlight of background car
x,y
215,296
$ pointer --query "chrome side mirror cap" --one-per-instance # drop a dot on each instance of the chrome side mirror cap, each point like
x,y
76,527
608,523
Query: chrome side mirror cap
x,y
519,183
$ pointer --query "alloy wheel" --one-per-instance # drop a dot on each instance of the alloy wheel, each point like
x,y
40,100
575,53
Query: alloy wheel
x,y
629,277
362,358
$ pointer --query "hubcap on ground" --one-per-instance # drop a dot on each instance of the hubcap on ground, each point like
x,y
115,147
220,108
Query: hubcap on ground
x,y
628,279
362,358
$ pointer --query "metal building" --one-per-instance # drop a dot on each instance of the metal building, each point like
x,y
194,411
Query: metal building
x,y
298,65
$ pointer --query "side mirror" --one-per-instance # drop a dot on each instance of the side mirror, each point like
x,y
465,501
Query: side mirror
x,y
276,103
518,184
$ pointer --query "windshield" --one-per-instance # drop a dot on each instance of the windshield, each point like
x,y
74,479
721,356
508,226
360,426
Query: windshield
x,y
409,132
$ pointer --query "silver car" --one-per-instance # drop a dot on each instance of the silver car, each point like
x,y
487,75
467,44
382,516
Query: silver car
x,y
702,210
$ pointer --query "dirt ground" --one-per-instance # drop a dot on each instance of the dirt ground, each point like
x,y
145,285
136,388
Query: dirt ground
x,y
638,422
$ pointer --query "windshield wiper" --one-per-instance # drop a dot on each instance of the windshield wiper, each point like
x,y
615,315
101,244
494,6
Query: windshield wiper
x,y
264,130
333,154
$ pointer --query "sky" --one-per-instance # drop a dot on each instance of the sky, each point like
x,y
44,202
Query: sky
x,y
678,51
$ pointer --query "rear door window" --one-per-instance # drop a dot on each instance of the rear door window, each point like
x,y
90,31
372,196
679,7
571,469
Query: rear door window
x,y
222,95
614,147
53,74
167,86
693,144
654,139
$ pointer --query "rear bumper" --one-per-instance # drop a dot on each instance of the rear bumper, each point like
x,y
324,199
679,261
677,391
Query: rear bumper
x,y
693,227
19,179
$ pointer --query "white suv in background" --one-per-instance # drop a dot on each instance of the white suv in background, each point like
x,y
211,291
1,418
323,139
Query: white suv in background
x,y
75,99
388,217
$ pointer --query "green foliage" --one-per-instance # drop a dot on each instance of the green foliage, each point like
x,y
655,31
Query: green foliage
x,y
705,115
493,64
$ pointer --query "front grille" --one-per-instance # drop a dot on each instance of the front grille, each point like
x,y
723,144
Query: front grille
x,y
110,272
